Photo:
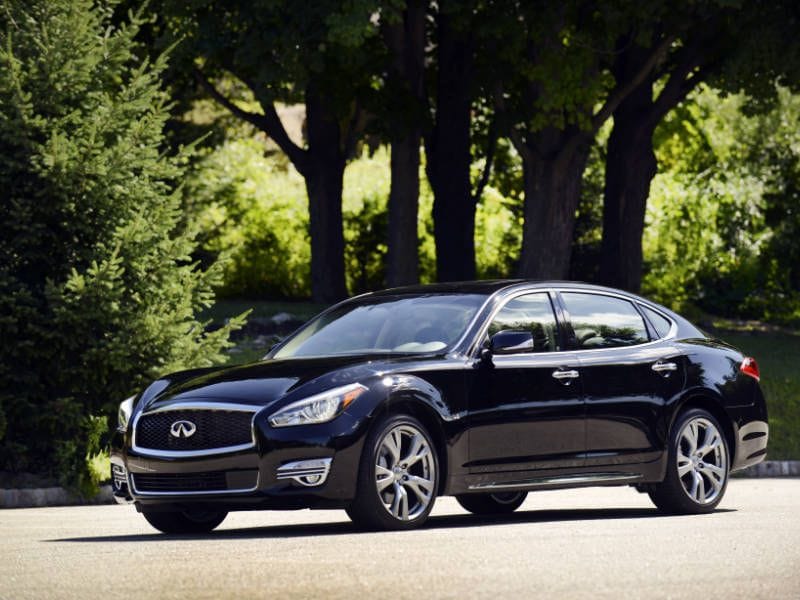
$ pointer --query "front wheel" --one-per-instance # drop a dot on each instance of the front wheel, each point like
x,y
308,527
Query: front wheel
x,y
697,468
398,476
181,522
500,503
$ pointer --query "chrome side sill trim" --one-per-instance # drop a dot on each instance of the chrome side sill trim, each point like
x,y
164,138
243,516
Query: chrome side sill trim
x,y
560,480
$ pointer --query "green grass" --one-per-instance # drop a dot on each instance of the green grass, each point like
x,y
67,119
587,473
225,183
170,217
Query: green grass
x,y
778,355
227,308
253,348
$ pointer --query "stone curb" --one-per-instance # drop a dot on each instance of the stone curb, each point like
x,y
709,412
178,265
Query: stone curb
x,y
772,468
57,496
50,496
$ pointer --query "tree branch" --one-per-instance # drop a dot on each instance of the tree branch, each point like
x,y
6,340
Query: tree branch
x,y
269,122
254,119
621,92
491,146
355,127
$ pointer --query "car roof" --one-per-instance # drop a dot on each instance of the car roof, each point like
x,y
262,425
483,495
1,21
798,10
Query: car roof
x,y
490,286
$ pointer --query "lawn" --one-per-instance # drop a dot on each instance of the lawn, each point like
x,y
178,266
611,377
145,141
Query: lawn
x,y
224,309
777,352
778,357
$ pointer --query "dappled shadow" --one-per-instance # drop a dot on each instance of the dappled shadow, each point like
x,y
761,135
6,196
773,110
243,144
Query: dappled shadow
x,y
438,522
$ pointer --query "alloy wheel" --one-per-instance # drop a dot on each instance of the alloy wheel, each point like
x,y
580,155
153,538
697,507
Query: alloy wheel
x,y
405,472
702,460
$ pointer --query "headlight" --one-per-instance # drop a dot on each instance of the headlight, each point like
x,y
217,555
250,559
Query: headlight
x,y
320,408
124,414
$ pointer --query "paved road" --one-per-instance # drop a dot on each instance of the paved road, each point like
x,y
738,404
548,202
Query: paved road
x,y
591,543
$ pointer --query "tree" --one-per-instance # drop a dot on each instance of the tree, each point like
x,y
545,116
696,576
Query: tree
x,y
736,47
405,37
97,292
556,91
447,143
318,54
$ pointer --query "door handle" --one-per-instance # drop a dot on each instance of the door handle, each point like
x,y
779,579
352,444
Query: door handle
x,y
664,368
566,376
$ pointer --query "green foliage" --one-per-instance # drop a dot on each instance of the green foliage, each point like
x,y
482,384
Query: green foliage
x,y
252,208
721,229
498,236
777,354
97,288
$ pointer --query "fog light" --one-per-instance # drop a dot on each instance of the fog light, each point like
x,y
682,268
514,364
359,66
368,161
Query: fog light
x,y
306,472
119,477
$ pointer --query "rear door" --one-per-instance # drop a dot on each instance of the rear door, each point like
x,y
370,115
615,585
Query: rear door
x,y
526,410
628,376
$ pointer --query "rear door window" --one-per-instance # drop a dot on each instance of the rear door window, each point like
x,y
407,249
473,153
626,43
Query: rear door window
x,y
660,323
604,321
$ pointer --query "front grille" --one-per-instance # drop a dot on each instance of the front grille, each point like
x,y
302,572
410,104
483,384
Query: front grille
x,y
211,481
213,429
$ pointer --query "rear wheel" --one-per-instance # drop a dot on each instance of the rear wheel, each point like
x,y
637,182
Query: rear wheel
x,y
698,466
398,476
500,503
190,521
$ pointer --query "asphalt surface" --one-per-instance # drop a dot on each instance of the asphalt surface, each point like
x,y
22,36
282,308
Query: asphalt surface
x,y
590,543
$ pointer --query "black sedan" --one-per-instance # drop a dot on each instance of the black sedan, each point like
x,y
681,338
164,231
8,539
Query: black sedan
x,y
484,391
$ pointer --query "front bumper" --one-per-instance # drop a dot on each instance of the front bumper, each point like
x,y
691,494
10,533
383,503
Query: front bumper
x,y
289,467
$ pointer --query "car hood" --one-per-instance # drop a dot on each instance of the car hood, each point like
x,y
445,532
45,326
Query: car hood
x,y
262,383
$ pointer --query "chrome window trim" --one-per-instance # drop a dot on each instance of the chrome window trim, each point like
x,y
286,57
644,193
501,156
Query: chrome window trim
x,y
190,493
475,346
673,326
218,406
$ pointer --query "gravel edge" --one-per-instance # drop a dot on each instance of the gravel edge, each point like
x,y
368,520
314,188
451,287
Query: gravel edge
x,y
50,496
57,496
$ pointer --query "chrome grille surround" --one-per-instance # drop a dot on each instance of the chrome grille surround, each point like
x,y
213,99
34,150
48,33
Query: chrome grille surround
x,y
196,406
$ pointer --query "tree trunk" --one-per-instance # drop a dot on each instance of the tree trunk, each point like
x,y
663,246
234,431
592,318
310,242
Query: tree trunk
x,y
324,177
406,43
631,162
448,156
630,167
552,194
403,259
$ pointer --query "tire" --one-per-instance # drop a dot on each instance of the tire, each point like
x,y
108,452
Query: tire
x,y
698,466
501,503
192,521
398,476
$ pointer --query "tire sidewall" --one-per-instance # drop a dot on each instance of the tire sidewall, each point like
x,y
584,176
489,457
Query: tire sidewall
x,y
367,508
687,504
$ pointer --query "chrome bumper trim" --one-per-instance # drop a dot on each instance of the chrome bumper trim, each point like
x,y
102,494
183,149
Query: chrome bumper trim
x,y
193,493
300,471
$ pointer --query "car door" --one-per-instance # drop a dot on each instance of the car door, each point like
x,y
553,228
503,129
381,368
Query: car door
x,y
526,411
628,377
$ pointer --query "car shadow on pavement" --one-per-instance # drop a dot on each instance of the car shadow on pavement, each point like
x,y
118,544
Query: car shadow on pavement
x,y
436,522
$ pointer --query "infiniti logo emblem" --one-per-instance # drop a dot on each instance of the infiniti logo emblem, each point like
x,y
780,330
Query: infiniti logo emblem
x,y
183,429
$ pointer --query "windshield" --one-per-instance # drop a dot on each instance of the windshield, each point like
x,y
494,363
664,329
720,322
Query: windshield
x,y
394,324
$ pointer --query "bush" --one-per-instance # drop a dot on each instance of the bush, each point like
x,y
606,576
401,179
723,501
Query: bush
x,y
717,231
97,290
253,208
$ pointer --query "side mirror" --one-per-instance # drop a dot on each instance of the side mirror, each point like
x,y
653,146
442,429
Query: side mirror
x,y
511,341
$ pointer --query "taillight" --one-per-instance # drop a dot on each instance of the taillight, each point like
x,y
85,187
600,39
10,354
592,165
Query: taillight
x,y
749,366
